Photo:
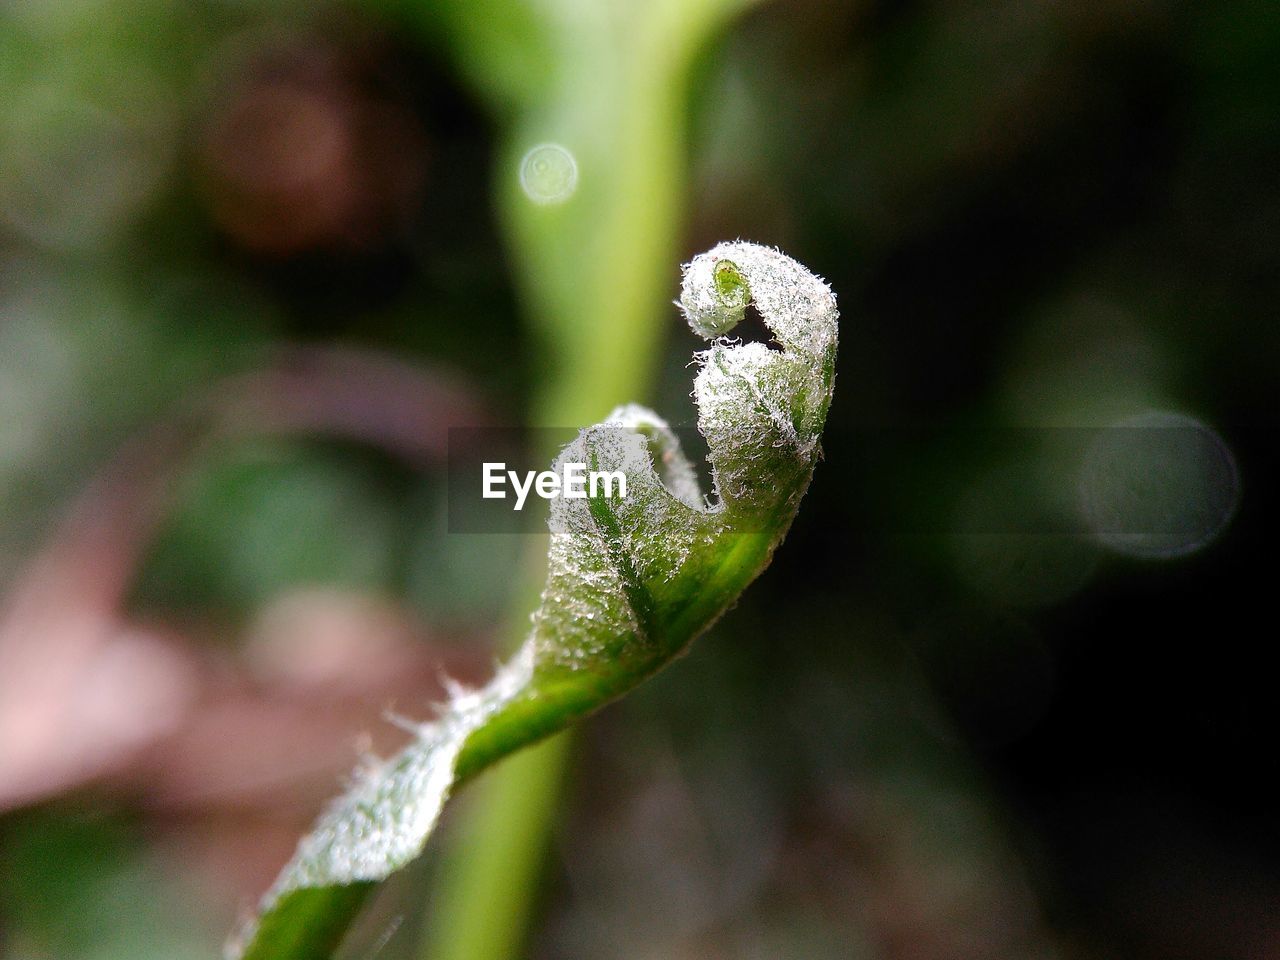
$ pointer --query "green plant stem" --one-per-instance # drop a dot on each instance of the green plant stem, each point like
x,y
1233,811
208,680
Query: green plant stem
x,y
497,852
489,886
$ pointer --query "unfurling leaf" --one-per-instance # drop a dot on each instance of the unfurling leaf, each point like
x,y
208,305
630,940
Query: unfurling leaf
x,y
631,582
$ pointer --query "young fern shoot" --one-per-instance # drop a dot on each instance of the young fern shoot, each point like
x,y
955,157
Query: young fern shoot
x,y
631,582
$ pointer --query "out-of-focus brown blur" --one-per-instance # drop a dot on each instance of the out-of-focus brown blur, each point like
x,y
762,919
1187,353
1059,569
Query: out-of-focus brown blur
x,y
1005,692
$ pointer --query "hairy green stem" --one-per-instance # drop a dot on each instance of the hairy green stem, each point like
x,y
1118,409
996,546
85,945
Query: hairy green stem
x,y
632,580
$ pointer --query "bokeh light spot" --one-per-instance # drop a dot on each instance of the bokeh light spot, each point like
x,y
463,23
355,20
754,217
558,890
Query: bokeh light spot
x,y
1158,484
549,174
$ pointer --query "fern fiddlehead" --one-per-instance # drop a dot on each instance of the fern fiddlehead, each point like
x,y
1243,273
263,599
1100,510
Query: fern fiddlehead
x,y
631,582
